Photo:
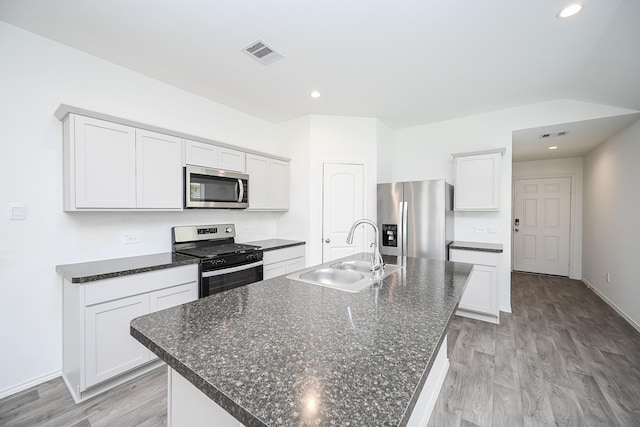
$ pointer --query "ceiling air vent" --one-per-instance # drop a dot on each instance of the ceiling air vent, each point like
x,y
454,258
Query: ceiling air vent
x,y
262,52
553,135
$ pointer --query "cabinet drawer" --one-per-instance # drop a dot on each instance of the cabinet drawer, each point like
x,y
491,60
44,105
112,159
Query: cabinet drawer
x,y
278,255
474,257
134,284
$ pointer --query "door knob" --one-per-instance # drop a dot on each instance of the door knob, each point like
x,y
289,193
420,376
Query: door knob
x,y
516,230
327,240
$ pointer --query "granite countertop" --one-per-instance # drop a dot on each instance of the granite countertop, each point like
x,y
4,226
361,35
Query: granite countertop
x,y
477,246
97,270
283,352
273,244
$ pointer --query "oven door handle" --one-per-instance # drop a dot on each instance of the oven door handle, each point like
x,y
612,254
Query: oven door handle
x,y
232,269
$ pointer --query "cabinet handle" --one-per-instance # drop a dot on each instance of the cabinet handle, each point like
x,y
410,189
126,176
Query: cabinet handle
x,y
327,240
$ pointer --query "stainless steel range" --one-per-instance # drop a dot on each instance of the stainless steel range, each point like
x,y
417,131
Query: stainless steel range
x,y
224,264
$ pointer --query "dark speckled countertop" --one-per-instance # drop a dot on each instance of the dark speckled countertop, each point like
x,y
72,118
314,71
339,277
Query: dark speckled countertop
x,y
273,244
476,246
266,351
97,270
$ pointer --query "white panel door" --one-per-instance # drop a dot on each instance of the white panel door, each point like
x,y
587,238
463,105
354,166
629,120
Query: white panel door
x,y
159,170
105,164
109,347
342,205
542,223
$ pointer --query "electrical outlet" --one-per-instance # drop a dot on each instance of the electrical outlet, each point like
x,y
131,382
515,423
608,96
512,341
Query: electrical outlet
x,y
131,238
481,230
608,277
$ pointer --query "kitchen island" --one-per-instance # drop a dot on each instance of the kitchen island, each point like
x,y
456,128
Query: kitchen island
x,y
283,352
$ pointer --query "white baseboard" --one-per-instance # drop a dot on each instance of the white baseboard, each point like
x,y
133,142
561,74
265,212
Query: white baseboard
x,y
505,308
28,384
612,305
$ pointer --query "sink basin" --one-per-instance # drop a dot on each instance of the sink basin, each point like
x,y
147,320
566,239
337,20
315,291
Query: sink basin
x,y
354,265
349,275
332,276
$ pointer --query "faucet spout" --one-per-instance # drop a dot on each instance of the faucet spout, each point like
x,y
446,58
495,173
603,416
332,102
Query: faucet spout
x,y
377,264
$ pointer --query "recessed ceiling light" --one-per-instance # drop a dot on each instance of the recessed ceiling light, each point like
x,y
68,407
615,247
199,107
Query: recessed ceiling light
x,y
553,147
570,10
315,94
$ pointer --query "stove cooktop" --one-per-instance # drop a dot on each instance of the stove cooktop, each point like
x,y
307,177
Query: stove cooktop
x,y
215,251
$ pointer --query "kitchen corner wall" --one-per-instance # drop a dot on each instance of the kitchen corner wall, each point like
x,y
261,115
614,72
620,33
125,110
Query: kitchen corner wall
x,y
424,152
37,76
312,141
611,227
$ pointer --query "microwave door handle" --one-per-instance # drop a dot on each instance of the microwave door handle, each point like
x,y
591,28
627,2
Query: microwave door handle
x,y
241,191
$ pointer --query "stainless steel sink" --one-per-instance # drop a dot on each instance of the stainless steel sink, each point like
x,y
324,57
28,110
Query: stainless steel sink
x,y
332,276
348,275
354,265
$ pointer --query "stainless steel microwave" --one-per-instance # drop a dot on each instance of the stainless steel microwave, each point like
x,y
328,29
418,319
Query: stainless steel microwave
x,y
215,188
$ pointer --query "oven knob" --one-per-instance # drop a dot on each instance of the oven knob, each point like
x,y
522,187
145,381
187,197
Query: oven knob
x,y
229,230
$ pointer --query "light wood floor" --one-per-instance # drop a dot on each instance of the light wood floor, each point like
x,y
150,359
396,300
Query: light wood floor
x,y
563,358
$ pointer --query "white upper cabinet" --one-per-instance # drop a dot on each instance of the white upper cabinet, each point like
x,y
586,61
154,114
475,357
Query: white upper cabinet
x,y
477,181
200,154
268,183
158,170
211,156
109,166
231,160
100,164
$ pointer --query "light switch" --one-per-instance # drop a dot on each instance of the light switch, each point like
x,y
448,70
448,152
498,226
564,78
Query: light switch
x,y
17,211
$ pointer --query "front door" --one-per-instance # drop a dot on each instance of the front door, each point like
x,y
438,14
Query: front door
x,y
541,225
342,205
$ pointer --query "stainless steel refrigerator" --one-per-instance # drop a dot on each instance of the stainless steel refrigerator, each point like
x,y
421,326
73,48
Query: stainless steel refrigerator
x,y
415,218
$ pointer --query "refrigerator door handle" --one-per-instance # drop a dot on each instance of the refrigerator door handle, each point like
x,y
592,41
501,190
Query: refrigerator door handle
x,y
405,246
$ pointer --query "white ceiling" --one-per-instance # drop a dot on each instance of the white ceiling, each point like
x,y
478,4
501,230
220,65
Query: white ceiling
x,y
405,62
581,138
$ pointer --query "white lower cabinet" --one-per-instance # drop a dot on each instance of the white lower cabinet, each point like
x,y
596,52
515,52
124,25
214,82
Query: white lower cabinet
x,y
283,261
109,349
98,349
480,298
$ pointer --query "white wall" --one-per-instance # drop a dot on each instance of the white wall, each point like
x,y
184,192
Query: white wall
x,y
37,76
611,227
424,152
568,167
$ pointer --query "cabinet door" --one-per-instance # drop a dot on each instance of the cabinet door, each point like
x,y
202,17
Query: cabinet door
x,y
200,154
477,182
104,164
109,348
232,160
294,265
170,297
273,270
278,191
480,295
258,170
158,170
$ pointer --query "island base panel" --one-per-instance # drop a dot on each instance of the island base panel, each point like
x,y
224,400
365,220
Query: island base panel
x,y
431,389
188,406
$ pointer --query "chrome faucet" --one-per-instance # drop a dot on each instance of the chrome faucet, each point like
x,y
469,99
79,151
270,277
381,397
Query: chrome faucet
x,y
377,264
